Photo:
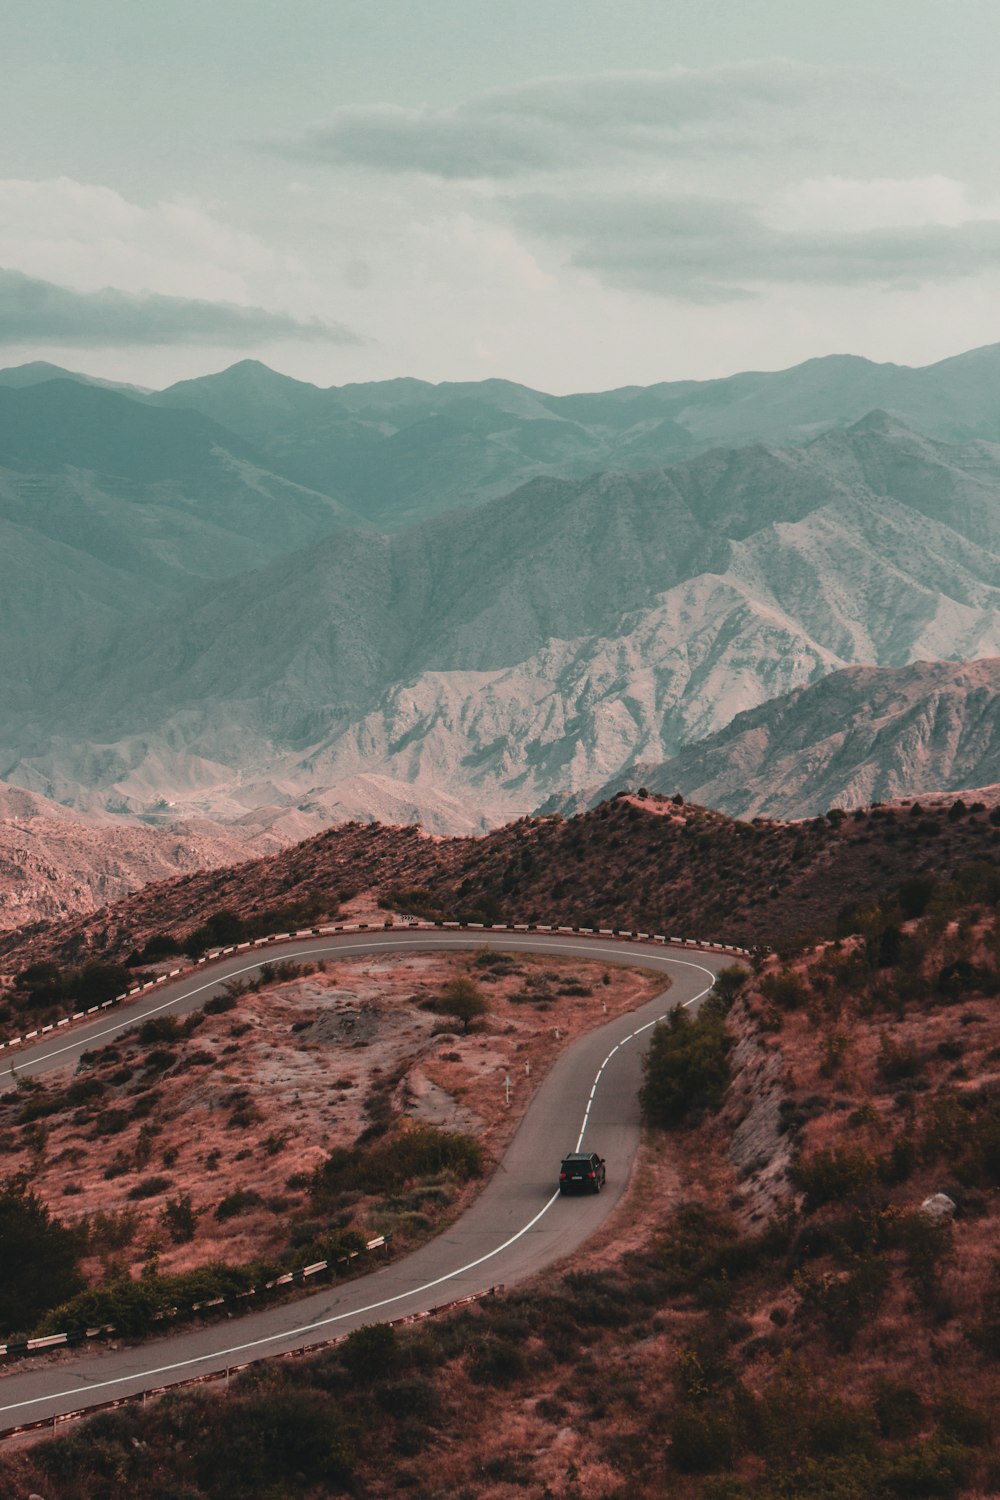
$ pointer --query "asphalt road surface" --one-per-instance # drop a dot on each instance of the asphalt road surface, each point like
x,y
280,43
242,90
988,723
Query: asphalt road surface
x,y
517,1225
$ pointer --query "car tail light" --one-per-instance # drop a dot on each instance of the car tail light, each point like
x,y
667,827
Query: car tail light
x,y
562,1176
591,1174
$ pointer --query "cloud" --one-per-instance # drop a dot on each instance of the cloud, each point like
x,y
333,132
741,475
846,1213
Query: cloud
x,y
716,249
555,124
88,236
40,312
840,203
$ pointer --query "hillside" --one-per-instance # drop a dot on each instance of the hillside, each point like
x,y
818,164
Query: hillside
x,y
638,864
55,863
110,511
861,735
799,1296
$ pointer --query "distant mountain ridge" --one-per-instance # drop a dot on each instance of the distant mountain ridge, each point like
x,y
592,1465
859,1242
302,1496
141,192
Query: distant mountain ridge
x,y
407,600
543,643
860,735
401,451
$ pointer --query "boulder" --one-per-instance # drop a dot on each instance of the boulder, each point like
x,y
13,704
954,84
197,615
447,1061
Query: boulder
x,y
938,1206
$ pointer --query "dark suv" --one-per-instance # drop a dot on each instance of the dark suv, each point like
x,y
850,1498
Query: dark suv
x,y
582,1172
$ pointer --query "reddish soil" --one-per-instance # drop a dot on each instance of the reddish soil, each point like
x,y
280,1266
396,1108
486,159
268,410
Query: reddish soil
x,y
750,1325
259,1095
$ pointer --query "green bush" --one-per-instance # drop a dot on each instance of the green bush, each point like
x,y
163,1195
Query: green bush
x,y
272,1437
386,1165
150,1187
700,1245
702,1442
180,1218
462,999
371,1352
686,1067
845,1173
785,988
496,1361
130,1307
240,1201
39,1258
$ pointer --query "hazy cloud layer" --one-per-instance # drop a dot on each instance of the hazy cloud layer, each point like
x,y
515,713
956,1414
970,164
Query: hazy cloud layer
x,y
555,124
39,312
703,185
709,249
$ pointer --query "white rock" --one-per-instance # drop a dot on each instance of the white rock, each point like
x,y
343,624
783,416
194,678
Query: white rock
x,y
938,1206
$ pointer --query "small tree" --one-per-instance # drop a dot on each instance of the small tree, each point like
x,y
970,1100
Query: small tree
x,y
729,981
686,1067
38,1258
463,999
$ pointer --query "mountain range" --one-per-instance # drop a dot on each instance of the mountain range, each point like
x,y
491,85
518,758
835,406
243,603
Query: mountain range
x,y
245,592
859,736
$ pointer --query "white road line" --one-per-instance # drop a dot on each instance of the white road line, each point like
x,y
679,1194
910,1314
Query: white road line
x,y
307,1328
183,1364
96,1036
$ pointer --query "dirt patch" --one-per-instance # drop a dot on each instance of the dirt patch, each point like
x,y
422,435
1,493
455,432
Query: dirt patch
x,y
218,1123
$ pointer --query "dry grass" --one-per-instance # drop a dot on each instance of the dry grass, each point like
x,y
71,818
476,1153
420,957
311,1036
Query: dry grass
x,y
256,1097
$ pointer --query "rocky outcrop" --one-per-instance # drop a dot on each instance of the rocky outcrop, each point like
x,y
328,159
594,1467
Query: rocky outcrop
x,y
861,735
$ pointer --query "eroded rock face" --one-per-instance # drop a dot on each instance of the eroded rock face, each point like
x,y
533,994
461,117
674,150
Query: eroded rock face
x,y
860,735
466,670
55,863
759,1149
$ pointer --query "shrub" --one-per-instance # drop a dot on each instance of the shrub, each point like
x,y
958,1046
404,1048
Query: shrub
x,y
239,1201
686,1067
160,945
702,1442
785,988
130,1306
219,1004
834,1176
180,1218
159,1029
271,1435
463,999
38,1258
113,1230
899,1410
387,1164
150,1187
370,1352
699,1245
496,1361
845,1301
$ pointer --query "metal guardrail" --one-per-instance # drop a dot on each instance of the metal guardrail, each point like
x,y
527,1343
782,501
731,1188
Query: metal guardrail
x,y
287,1278
214,954
54,1340
54,1423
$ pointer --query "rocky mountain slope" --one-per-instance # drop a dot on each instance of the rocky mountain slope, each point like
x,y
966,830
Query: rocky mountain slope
x,y
540,644
643,864
861,735
55,863
401,450
185,622
111,510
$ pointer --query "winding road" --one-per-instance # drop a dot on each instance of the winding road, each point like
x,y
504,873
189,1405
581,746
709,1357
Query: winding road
x,y
513,1229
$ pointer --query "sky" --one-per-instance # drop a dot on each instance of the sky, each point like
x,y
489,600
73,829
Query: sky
x,y
570,194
